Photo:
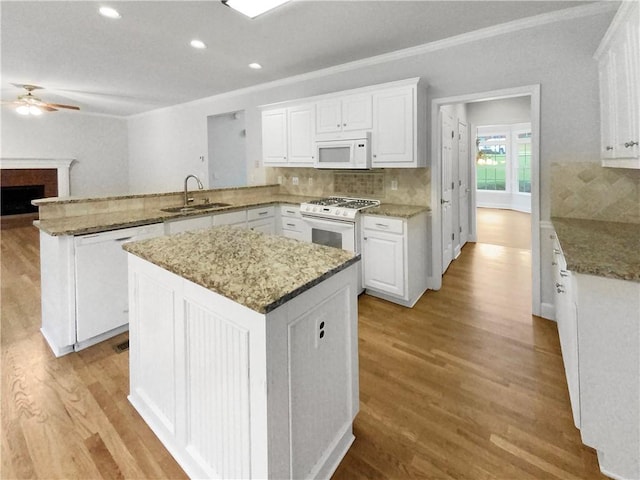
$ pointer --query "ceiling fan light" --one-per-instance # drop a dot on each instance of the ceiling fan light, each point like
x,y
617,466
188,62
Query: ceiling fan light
x,y
33,110
23,110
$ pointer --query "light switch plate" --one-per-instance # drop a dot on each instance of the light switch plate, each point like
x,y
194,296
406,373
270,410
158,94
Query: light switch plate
x,y
294,180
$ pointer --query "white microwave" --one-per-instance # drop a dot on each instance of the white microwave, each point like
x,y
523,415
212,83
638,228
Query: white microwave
x,y
344,152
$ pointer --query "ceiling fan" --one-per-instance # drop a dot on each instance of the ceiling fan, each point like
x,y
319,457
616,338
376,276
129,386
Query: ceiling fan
x,y
29,104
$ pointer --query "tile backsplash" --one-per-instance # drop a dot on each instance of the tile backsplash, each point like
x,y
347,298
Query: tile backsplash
x,y
588,190
413,185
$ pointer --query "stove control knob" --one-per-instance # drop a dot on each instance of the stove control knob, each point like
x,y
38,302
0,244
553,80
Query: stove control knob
x,y
315,209
345,213
338,212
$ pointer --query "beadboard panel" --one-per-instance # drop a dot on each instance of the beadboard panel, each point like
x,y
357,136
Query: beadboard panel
x,y
217,388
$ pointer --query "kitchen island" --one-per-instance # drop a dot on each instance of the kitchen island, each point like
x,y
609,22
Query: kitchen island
x,y
243,351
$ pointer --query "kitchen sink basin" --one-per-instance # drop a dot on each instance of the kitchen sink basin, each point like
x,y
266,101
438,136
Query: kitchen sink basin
x,y
193,208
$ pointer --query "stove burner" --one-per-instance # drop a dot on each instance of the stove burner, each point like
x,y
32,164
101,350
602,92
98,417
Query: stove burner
x,y
329,201
358,204
342,208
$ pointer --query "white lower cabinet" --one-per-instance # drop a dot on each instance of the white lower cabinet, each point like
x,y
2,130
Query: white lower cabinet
x,y
567,319
262,219
599,330
292,225
232,393
387,245
187,224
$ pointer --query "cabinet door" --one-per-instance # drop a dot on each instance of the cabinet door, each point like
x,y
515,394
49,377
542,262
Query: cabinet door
x,y
628,83
607,104
328,116
301,134
274,137
357,112
383,257
188,224
393,136
264,226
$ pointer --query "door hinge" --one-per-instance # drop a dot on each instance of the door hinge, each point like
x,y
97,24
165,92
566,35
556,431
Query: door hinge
x,y
453,236
453,185
460,229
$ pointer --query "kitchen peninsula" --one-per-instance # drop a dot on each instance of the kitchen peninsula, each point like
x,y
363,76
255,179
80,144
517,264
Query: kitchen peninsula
x,y
244,357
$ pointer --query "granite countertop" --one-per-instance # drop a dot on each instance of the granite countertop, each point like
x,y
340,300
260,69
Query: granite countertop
x,y
101,222
604,249
256,270
396,210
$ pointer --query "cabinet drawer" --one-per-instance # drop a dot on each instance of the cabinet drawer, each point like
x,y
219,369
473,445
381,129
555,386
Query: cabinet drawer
x,y
383,224
230,218
295,224
258,213
290,211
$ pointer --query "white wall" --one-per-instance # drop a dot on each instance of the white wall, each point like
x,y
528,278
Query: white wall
x,y
227,150
165,144
98,143
500,112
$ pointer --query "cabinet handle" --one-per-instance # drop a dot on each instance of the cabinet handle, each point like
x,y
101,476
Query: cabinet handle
x,y
123,239
382,225
630,144
552,236
560,290
365,238
556,251
262,213
608,148
564,273
338,125
291,224
554,263
344,124
559,285
374,155
291,212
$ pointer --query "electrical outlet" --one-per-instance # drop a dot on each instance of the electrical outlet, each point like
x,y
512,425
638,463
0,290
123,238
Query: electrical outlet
x,y
394,184
310,181
279,179
294,180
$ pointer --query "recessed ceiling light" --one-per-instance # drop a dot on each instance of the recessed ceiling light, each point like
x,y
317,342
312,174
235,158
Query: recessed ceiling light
x,y
109,12
198,44
255,66
253,8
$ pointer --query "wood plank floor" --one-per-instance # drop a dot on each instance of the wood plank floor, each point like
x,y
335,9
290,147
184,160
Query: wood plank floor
x,y
465,385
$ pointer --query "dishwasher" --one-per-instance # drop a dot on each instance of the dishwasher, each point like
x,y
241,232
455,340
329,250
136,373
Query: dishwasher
x,y
102,304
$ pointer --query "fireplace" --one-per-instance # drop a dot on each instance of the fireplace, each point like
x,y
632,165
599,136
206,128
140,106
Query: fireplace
x,y
16,200
19,187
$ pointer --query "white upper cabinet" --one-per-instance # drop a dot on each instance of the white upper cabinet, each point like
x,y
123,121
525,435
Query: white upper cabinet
x,y
301,134
288,136
393,134
344,114
274,137
618,62
395,113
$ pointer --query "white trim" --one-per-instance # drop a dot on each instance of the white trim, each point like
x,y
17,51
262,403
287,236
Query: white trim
x,y
62,165
621,17
481,34
529,90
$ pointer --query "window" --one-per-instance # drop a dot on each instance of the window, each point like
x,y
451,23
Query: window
x,y
503,158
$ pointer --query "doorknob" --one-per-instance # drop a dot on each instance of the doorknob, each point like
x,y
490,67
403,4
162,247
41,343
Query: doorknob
x,y
443,201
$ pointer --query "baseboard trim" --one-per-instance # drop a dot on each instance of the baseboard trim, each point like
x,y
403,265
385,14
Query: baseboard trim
x,y
548,311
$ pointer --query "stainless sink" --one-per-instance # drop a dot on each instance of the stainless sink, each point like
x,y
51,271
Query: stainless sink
x,y
193,208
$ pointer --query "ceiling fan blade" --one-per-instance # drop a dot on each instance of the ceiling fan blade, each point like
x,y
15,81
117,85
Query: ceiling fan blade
x,y
57,105
48,108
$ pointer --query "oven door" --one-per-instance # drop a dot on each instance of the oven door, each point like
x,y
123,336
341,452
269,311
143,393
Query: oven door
x,y
332,233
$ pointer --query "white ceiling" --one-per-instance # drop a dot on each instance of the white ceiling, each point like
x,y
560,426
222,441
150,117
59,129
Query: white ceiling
x,y
143,60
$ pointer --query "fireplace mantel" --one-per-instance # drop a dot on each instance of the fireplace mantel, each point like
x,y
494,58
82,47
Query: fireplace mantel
x,y
62,165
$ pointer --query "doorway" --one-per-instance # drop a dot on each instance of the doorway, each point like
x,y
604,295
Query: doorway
x,y
226,135
439,195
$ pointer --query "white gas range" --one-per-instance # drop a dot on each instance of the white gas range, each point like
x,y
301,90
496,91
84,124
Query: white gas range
x,y
335,221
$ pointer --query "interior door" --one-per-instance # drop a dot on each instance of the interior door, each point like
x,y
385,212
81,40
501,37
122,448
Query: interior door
x,y
447,134
463,182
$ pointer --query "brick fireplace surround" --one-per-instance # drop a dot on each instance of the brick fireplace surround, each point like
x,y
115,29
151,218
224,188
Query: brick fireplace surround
x,y
48,174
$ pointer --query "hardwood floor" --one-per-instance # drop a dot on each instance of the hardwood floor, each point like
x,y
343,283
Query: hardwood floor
x,y
465,385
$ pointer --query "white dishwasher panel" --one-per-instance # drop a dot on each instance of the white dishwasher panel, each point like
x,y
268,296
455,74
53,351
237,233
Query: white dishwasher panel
x,y
101,279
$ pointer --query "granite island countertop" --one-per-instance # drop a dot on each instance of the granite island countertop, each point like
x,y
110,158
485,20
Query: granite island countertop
x,y
604,249
253,269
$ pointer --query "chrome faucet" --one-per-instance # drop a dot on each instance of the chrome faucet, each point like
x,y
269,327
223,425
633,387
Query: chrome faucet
x,y
188,200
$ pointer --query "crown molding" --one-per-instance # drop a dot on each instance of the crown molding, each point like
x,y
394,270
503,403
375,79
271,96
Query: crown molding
x,y
457,40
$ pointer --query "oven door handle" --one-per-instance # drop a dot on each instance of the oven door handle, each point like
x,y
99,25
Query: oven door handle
x,y
326,221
